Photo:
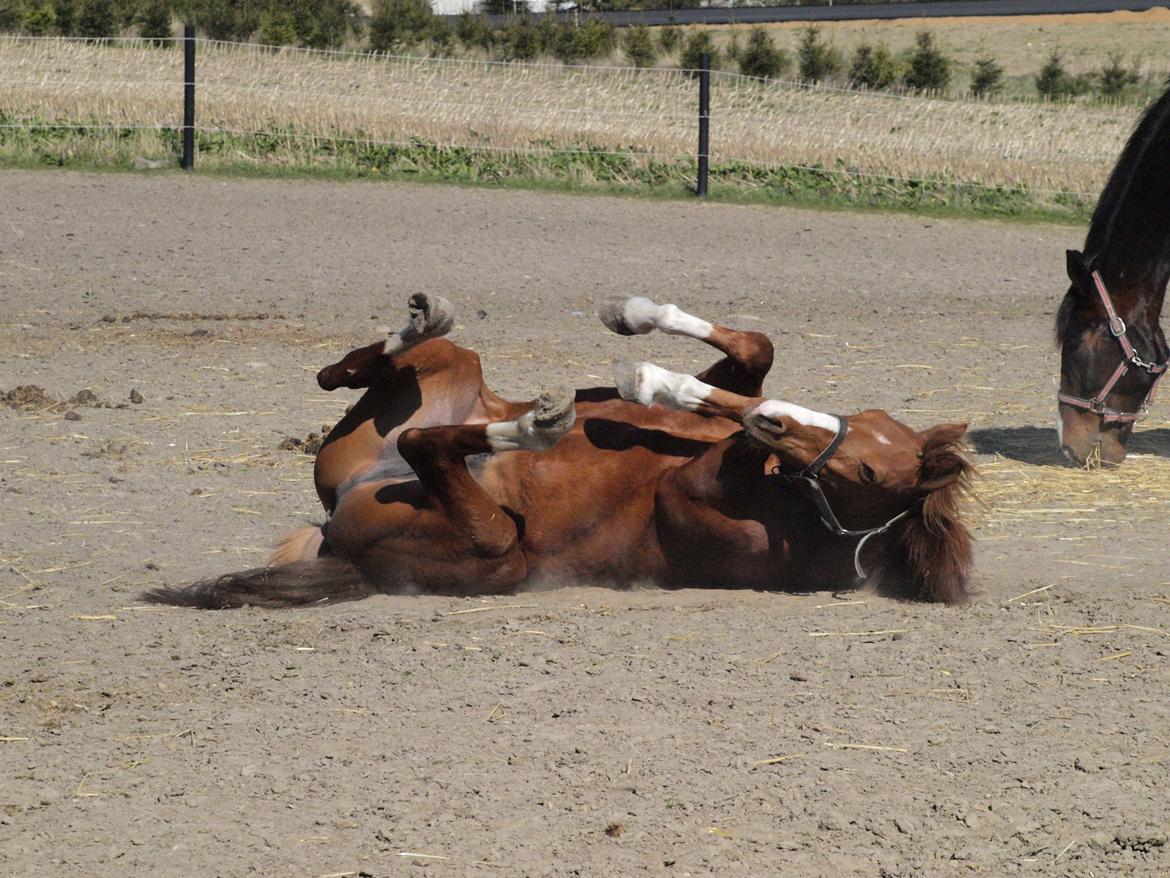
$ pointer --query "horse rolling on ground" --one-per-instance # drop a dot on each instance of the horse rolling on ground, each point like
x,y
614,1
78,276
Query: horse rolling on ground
x,y
1113,351
433,483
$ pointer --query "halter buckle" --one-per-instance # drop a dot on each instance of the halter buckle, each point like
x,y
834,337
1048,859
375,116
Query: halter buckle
x,y
1097,406
1117,326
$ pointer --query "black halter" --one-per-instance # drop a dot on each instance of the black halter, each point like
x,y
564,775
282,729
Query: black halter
x,y
810,477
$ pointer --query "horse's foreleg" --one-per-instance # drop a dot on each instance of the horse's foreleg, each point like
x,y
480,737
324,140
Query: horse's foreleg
x,y
763,418
748,354
650,384
444,533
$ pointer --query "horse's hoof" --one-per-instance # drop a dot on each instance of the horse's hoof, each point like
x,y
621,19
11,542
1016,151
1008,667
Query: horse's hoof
x,y
627,379
540,428
430,316
554,412
628,315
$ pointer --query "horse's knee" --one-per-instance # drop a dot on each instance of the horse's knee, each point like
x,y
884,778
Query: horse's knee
x,y
411,442
755,351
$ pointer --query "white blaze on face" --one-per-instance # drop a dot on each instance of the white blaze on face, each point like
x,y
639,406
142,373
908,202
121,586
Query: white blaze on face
x,y
775,409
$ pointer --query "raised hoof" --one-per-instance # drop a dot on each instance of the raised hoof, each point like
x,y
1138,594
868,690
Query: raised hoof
x,y
551,418
620,314
430,316
554,411
627,377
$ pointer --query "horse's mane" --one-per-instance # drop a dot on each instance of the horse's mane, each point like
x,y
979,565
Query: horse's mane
x,y
1131,223
1130,229
936,550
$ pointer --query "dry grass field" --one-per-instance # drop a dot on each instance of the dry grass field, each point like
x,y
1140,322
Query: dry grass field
x,y
542,108
1019,43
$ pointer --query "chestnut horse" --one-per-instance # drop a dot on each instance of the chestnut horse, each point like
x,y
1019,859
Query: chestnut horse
x,y
433,483
1112,350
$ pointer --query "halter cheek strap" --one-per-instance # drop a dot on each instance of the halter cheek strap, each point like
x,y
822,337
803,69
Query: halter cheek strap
x,y
810,476
1129,357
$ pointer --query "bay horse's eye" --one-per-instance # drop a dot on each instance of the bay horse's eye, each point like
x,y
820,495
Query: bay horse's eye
x,y
868,476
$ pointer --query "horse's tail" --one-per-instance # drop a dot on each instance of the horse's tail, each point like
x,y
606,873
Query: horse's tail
x,y
300,584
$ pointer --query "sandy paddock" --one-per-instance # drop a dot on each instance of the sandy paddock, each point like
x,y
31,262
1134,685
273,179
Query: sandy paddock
x,y
579,730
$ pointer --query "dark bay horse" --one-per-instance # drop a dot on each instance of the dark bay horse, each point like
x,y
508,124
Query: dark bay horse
x,y
1113,353
433,483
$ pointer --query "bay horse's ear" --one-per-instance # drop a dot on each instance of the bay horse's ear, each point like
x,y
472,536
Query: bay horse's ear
x,y
1078,270
943,459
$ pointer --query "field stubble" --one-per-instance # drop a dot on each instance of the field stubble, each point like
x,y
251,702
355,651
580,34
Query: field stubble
x,y
293,107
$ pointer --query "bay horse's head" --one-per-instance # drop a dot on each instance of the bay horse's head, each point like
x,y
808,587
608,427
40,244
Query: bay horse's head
x,y
1112,355
873,473
358,369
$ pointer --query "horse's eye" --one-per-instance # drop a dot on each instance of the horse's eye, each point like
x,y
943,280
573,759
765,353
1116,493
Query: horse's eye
x,y
868,476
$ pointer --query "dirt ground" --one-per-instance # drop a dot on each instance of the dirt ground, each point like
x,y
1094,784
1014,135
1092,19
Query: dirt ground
x,y
581,730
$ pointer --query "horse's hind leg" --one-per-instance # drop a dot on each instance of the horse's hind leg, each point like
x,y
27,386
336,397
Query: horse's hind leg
x,y
748,354
444,533
428,317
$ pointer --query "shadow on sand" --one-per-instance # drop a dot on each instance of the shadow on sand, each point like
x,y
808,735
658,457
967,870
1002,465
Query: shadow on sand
x,y
1038,445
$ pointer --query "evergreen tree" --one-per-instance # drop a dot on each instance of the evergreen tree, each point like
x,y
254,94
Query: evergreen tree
x,y
930,69
872,67
10,13
99,18
988,77
473,31
1055,83
38,19
816,59
639,46
66,13
395,23
1115,79
669,38
154,23
277,28
697,44
761,57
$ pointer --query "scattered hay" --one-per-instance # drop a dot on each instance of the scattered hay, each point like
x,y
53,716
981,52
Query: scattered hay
x,y
1009,492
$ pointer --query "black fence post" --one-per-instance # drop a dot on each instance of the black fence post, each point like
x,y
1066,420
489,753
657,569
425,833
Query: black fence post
x,y
189,97
704,123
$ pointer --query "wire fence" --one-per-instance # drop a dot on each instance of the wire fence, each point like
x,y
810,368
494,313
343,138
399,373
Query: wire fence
x,y
323,105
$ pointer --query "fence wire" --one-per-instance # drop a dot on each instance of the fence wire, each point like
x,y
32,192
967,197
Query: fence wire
x,y
541,109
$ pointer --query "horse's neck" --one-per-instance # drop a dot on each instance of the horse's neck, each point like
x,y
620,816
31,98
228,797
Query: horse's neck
x,y
1139,296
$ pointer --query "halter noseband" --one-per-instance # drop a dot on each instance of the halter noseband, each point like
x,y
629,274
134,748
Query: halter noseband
x,y
1096,405
810,476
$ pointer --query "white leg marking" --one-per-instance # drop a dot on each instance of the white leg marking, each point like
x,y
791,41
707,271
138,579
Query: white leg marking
x,y
535,430
774,409
639,315
674,321
398,341
653,384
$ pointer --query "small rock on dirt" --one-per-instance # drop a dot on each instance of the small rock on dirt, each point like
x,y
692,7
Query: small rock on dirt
x,y
136,397
72,415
